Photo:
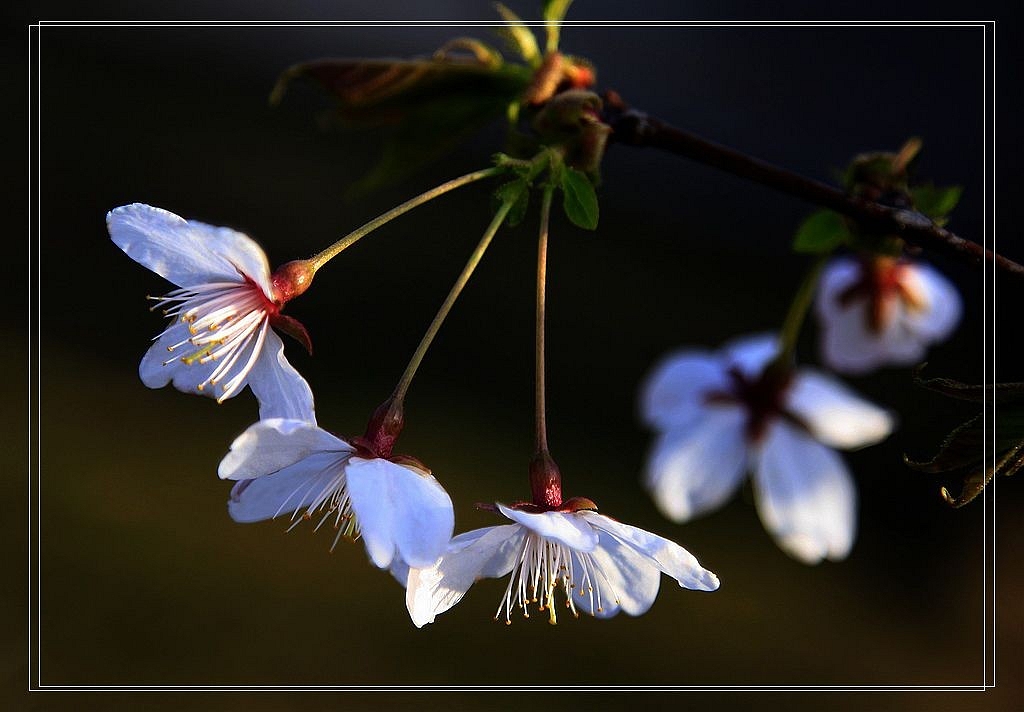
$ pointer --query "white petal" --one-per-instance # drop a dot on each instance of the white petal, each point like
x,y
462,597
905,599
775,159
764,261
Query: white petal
x,y
668,556
399,570
943,306
281,391
564,527
805,496
287,490
271,445
834,414
620,578
160,366
750,354
839,275
481,553
846,344
187,253
674,392
400,512
849,345
694,469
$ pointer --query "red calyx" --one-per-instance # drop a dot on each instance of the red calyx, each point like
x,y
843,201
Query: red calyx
x,y
382,431
290,280
545,481
573,504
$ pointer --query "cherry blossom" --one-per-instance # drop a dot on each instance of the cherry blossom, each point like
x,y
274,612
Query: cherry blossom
x,y
600,565
721,414
401,512
219,338
882,311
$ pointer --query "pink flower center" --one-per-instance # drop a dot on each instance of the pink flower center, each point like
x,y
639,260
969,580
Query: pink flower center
x,y
884,283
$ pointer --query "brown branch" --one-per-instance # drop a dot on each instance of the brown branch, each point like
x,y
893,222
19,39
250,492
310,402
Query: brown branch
x,y
635,128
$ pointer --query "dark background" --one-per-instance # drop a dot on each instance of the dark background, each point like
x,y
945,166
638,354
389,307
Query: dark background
x,y
144,578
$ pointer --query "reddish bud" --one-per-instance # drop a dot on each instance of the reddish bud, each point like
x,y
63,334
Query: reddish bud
x,y
291,279
545,481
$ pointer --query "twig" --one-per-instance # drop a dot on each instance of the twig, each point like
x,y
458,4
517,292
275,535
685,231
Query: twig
x,y
635,128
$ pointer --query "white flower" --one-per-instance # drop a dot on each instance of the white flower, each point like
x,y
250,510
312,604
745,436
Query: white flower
x,y
882,311
601,566
289,466
220,337
720,414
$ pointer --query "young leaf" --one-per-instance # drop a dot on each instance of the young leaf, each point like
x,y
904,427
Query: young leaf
x,y
553,14
517,192
936,203
519,35
579,199
424,107
821,233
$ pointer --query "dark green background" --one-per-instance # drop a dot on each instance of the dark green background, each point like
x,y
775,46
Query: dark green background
x,y
145,579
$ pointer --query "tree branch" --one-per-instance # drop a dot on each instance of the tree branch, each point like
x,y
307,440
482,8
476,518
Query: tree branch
x,y
635,128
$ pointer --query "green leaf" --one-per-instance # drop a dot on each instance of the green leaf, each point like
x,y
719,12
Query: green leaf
x,y
519,36
821,233
579,199
518,193
423,108
996,434
936,203
975,393
553,13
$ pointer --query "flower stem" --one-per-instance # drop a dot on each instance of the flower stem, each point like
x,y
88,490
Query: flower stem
x,y
795,316
542,270
398,396
545,478
635,128
350,239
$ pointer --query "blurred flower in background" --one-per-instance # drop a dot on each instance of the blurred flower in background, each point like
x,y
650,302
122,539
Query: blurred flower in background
x,y
721,414
879,311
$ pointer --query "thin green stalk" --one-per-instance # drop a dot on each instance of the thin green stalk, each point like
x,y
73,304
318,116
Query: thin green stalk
x,y
797,312
350,239
474,259
542,269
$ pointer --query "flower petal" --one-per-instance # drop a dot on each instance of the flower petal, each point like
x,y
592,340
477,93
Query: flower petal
x,y
271,445
805,496
834,414
668,556
400,512
847,344
838,275
750,354
287,490
187,253
564,527
481,553
281,391
943,306
673,394
159,366
696,468
616,576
